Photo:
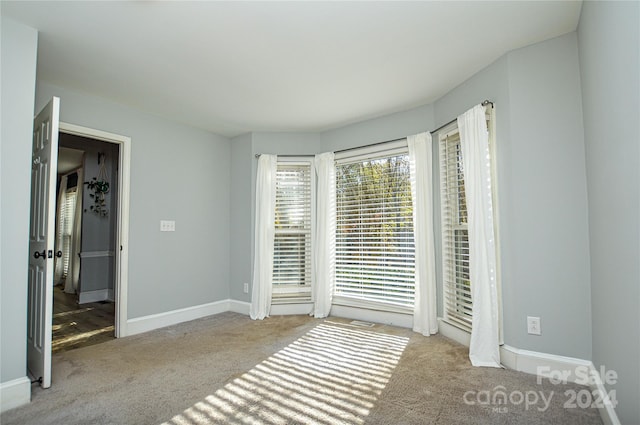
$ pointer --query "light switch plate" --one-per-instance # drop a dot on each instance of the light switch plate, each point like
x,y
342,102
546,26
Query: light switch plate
x,y
167,225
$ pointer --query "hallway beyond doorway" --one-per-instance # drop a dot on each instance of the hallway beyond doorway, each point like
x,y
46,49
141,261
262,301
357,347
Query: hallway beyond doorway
x,y
76,326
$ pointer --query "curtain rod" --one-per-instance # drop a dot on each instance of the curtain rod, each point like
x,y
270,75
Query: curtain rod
x,y
370,145
484,103
290,155
348,149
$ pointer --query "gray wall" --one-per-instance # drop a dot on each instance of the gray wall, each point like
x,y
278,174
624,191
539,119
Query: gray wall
x,y
544,196
98,233
389,127
241,200
541,192
18,50
609,64
177,173
541,184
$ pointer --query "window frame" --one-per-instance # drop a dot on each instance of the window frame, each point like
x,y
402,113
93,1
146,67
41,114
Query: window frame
x,y
448,234
286,294
447,131
367,153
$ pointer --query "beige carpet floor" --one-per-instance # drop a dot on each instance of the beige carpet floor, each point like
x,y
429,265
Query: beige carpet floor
x,y
227,369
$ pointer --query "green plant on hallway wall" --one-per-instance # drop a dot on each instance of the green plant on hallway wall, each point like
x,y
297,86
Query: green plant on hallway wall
x,y
98,189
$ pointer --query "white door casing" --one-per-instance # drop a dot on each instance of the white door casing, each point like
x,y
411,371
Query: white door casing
x,y
42,241
122,222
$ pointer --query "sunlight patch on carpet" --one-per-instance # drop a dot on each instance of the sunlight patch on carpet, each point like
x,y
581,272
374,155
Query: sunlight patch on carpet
x,y
332,374
60,343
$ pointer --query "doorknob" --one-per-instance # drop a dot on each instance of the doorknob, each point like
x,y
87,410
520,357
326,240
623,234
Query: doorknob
x,y
59,254
42,254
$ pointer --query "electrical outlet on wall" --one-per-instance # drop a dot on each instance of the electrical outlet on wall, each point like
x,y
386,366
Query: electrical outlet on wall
x,y
246,288
533,325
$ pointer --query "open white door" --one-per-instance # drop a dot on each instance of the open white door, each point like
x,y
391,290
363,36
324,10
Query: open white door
x,y
41,242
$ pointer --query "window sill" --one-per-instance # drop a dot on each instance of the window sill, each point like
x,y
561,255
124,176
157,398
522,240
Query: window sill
x,y
371,305
291,308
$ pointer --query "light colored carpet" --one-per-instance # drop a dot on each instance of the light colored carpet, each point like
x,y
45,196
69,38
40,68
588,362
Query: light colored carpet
x,y
227,369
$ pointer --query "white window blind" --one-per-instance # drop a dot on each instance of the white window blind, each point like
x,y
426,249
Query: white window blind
x,y
66,228
457,281
374,237
292,245
455,235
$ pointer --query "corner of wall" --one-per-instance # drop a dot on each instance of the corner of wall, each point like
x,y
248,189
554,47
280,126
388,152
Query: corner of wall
x,y
18,73
608,47
240,244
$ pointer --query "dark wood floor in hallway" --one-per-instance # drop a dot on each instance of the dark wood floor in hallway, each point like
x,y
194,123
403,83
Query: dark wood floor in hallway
x,y
77,325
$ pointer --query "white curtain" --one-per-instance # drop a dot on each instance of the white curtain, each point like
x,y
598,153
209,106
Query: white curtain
x,y
484,349
421,169
58,273
325,234
73,279
264,237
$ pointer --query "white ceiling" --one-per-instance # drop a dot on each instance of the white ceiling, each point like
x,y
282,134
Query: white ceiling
x,y
69,159
235,67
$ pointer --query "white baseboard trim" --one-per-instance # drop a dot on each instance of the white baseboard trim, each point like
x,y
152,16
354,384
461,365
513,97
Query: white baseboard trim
x,y
15,393
160,320
94,296
562,369
96,254
241,307
607,412
543,364
375,316
566,369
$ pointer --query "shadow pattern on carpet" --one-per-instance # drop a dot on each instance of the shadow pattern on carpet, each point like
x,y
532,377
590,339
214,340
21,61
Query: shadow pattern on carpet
x,y
227,369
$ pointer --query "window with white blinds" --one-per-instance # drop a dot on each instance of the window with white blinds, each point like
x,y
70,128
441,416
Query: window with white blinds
x,y
457,281
374,236
455,235
65,223
293,218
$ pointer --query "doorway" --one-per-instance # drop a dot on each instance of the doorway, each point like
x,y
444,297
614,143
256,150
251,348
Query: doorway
x,y
119,148
86,232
